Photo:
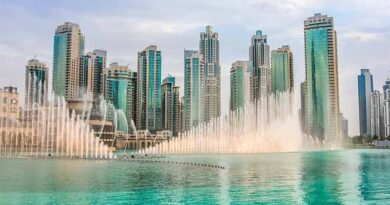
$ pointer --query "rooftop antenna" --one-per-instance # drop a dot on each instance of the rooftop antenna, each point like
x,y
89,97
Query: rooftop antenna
x,y
34,57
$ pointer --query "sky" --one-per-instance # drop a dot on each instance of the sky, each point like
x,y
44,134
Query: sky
x,y
125,27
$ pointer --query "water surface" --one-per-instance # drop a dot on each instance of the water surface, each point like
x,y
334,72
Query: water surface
x,y
332,177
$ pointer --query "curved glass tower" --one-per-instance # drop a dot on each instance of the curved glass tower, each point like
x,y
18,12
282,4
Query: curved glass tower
x,y
322,89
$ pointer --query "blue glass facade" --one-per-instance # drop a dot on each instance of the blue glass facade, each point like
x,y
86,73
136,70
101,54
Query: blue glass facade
x,y
121,89
317,79
68,50
365,88
194,81
282,70
322,110
149,93
36,87
59,64
239,85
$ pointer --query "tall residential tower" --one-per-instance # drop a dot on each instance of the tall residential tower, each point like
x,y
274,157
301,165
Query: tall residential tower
x,y
365,88
170,105
239,85
259,54
68,49
149,89
120,90
209,49
91,72
282,70
322,87
193,89
36,82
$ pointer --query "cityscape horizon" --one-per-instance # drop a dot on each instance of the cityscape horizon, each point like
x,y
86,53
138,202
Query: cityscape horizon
x,y
202,102
95,40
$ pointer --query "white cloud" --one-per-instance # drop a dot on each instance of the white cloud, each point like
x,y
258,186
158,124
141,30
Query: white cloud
x,y
363,36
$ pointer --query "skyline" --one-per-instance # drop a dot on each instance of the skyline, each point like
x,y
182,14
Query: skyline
x,y
172,36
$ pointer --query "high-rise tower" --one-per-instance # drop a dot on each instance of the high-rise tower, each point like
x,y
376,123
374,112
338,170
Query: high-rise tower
x,y
91,72
68,49
322,87
209,49
149,89
170,105
36,82
194,82
239,85
376,114
365,88
282,70
120,90
259,54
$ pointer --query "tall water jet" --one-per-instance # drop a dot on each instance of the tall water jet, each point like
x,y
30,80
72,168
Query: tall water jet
x,y
50,129
270,125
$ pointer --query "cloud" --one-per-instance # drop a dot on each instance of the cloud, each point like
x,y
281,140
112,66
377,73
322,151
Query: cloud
x,y
363,36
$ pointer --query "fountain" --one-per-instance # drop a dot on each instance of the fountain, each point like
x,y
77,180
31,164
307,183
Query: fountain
x,y
50,129
269,125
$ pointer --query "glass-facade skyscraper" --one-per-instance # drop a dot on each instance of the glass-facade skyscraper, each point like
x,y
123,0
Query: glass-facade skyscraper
x,y
120,90
209,49
36,82
194,82
239,85
365,88
68,50
259,54
170,105
376,114
282,70
386,87
322,88
149,93
91,72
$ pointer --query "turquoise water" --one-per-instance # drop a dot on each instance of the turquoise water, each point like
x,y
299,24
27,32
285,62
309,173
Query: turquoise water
x,y
323,177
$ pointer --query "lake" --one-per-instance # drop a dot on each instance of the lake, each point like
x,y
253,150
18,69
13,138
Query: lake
x,y
312,177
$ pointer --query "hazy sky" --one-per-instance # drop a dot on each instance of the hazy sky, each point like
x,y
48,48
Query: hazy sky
x,y
125,27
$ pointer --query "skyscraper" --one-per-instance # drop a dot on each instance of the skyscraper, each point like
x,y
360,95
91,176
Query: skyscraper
x,y
375,113
36,82
282,70
365,88
259,54
91,72
149,89
386,87
385,131
302,111
176,111
209,49
181,115
170,105
194,82
68,49
322,87
239,85
120,90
